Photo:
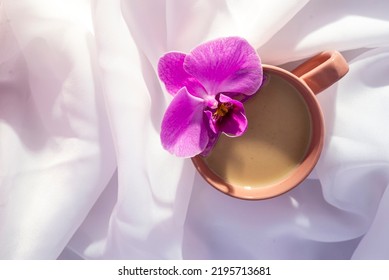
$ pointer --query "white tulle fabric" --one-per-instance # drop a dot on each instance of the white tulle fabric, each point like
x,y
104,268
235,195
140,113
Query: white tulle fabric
x,y
82,171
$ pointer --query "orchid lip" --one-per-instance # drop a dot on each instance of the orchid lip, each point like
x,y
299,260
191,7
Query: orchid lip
x,y
222,110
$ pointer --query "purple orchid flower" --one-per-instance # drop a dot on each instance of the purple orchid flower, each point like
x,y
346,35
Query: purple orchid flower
x,y
208,85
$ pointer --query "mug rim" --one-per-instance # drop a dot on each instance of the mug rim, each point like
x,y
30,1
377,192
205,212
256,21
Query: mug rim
x,y
301,171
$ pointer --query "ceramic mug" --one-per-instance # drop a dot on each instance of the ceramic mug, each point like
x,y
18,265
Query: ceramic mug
x,y
285,132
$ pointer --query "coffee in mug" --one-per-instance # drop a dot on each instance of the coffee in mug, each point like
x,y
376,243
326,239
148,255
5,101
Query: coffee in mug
x,y
285,133
275,142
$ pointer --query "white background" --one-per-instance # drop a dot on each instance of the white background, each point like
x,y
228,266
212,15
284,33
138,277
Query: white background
x,y
82,171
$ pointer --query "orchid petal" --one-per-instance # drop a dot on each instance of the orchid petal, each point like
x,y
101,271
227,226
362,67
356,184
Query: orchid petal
x,y
183,132
172,73
235,123
229,65
210,121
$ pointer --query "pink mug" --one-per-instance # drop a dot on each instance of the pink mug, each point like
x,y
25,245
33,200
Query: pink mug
x,y
285,133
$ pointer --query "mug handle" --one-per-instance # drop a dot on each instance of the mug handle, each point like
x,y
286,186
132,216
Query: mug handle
x,y
322,70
